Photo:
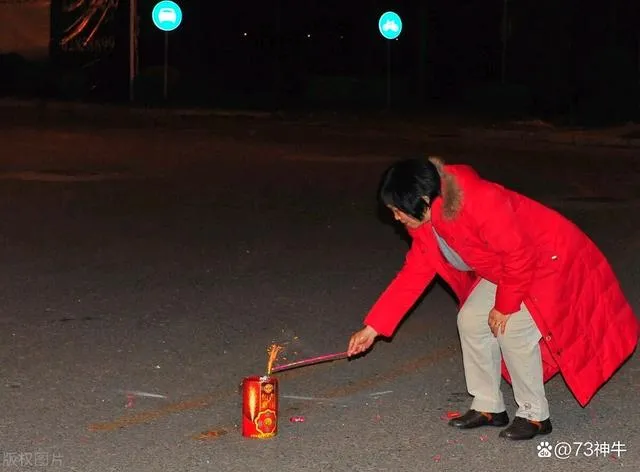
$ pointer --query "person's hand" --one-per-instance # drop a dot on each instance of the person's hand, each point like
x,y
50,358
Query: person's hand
x,y
497,322
361,341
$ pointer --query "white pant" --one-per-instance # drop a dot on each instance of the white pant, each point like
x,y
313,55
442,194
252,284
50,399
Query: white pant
x,y
520,350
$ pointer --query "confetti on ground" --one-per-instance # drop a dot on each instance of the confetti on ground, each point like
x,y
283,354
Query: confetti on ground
x,y
209,435
437,458
453,441
297,419
131,401
377,418
484,438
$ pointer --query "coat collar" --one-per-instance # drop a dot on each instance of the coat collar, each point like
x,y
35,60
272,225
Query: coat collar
x,y
449,203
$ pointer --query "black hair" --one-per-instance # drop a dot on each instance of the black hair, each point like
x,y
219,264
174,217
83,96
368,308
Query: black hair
x,y
405,184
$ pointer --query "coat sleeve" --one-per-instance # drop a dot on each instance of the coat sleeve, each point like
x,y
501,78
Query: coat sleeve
x,y
504,233
402,293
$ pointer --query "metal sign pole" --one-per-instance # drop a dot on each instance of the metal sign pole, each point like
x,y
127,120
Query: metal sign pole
x,y
132,47
505,38
166,65
388,74
167,16
390,27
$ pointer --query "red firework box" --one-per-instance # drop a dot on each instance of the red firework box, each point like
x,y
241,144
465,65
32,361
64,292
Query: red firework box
x,y
260,407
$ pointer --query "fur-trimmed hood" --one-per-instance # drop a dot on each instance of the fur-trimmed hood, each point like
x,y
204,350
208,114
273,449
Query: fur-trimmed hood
x,y
452,195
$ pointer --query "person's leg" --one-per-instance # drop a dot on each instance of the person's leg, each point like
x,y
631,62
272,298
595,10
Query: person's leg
x,y
480,350
521,352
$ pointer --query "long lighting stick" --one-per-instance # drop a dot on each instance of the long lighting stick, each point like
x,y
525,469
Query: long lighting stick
x,y
310,361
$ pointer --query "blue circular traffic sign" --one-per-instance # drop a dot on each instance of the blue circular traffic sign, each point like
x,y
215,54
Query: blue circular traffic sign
x,y
390,25
166,15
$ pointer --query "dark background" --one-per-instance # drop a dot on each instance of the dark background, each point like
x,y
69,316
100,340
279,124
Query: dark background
x,y
567,60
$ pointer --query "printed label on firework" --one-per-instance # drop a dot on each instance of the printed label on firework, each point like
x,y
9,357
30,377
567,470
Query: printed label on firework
x,y
260,407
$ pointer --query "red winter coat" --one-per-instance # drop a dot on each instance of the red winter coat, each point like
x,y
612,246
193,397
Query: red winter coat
x,y
534,255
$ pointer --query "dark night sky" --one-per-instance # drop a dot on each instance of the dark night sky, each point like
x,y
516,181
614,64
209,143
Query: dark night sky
x,y
465,32
560,51
344,36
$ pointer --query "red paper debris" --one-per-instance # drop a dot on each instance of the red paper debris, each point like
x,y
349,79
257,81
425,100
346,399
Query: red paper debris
x,y
484,437
131,401
437,458
297,419
450,415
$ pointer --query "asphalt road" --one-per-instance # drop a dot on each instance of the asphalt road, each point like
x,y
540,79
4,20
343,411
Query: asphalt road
x,y
166,260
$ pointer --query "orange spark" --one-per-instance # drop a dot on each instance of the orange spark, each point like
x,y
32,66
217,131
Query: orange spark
x,y
273,352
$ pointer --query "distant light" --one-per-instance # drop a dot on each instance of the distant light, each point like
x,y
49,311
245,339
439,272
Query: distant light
x,y
341,37
308,36
244,34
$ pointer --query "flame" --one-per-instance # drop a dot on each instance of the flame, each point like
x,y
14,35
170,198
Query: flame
x,y
273,352
253,402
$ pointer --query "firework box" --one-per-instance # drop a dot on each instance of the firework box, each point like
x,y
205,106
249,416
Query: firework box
x,y
259,407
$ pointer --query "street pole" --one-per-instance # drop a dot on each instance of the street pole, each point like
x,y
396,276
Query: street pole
x,y
133,35
278,67
388,73
505,33
166,65
422,59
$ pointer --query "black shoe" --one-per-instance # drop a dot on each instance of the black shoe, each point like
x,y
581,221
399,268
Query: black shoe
x,y
473,419
522,428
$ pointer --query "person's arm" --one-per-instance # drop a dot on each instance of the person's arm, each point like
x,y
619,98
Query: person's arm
x,y
501,229
402,293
